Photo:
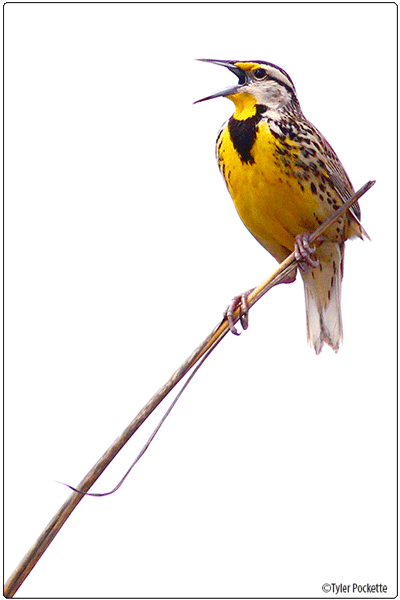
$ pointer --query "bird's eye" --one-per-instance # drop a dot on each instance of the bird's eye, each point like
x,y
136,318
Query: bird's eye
x,y
260,73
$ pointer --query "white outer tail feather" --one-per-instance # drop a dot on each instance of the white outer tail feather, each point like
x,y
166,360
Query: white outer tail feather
x,y
323,294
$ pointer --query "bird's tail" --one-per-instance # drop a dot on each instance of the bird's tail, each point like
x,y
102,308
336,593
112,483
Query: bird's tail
x,y
323,286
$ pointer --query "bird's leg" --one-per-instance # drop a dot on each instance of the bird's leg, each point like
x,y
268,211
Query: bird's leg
x,y
241,303
303,252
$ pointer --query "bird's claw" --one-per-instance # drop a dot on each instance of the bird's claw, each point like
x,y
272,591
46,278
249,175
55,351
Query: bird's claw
x,y
303,251
241,303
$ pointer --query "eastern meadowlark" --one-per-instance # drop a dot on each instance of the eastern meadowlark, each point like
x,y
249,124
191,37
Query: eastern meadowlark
x,y
285,180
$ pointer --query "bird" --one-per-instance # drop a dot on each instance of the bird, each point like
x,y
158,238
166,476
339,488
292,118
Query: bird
x,y
285,180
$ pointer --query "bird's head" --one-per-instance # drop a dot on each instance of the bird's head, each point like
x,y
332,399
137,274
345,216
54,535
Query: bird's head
x,y
259,83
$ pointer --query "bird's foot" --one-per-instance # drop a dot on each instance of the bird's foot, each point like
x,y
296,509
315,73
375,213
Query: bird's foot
x,y
241,303
303,252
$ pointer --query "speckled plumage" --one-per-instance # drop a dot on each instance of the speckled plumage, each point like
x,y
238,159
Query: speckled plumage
x,y
285,179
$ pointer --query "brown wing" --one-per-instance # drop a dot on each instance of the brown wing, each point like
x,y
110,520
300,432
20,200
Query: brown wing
x,y
340,181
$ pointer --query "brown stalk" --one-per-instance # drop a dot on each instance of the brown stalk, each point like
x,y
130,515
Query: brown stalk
x,y
48,535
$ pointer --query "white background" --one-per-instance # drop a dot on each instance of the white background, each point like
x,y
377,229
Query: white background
x,y
275,473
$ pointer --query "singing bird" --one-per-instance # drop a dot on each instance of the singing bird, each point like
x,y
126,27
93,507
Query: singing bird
x,y
285,180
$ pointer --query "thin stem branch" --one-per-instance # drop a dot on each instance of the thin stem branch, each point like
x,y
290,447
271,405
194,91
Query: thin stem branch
x,y
48,535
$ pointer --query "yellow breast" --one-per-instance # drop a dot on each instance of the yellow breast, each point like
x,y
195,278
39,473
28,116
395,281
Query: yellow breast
x,y
272,200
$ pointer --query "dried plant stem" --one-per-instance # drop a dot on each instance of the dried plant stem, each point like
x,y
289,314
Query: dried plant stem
x,y
45,539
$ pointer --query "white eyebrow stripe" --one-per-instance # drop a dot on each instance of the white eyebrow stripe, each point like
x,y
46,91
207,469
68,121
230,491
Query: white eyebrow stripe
x,y
277,74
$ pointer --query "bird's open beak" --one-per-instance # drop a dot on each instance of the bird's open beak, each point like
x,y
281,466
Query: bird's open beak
x,y
229,64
